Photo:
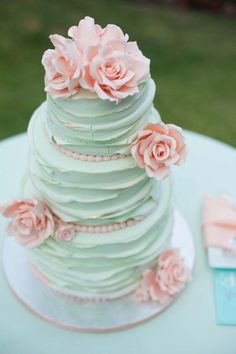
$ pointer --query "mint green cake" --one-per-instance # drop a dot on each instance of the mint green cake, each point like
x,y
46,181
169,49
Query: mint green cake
x,y
98,174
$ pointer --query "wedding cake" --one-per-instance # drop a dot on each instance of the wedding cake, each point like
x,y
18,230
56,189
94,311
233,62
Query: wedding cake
x,y
96,215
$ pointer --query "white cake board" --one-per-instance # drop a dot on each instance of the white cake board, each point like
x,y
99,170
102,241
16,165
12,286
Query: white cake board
x,y
81,315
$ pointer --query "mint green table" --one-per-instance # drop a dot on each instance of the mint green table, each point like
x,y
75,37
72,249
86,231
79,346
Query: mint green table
x,y
188,326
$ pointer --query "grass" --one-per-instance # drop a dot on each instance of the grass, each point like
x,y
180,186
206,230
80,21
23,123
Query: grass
x,y
193,58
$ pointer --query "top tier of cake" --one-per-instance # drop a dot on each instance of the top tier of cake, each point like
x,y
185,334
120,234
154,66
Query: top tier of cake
x,y
92,126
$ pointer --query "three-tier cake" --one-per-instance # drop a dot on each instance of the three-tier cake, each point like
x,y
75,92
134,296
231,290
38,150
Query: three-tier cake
x,y
97,208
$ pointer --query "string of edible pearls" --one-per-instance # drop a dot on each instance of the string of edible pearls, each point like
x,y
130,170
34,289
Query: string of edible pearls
x,y
105,228
90,158
99,228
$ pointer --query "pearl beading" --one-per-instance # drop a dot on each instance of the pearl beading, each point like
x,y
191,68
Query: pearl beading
x,y
99,228
89,158
105,228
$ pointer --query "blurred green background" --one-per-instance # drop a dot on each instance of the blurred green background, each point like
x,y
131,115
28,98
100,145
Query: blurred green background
x,y
193,59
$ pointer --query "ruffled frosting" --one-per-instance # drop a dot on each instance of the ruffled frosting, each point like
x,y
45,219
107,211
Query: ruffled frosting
x,y
95,127
106,264
97,193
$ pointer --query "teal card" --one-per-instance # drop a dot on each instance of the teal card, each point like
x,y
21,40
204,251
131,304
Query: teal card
x,y
225,293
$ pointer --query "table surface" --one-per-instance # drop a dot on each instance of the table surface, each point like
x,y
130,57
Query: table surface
x,y
188,326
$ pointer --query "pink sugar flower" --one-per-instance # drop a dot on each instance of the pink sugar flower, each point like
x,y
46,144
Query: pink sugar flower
x,y
31,221
114,67
141,295
63,67
86,34
114,71
157,147
161,284
149,290
172,274
98,59
65,232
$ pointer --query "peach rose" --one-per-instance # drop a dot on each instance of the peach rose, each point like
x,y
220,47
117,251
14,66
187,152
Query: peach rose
x,y
171,275
157,147
115,74
31,224
115,70
113,66
149,289
141,295
86,34
166,281
63,67
65,232
98,59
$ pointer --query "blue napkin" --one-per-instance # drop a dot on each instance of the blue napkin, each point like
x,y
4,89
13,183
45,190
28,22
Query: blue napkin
x,y
225,293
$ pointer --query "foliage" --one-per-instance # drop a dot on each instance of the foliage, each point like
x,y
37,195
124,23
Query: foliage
x,y
193,59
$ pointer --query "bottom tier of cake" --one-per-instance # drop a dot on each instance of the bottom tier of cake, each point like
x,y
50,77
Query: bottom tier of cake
x,y
106,265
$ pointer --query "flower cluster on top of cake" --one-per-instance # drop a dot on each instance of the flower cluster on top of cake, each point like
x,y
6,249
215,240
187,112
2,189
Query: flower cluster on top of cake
x,y
100,60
